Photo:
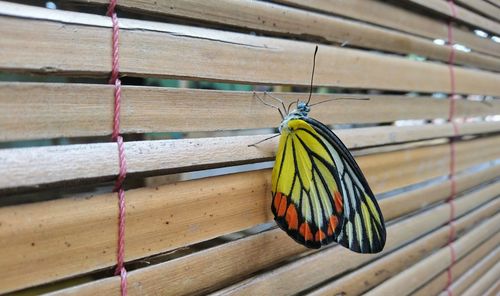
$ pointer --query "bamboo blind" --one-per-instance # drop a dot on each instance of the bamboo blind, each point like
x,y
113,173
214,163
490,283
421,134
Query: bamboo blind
x,y
198,217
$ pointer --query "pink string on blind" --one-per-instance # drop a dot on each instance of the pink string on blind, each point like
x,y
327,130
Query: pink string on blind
x,y
451,119
115,80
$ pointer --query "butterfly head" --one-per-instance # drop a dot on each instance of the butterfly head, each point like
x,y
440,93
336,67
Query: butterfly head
x,y
303,108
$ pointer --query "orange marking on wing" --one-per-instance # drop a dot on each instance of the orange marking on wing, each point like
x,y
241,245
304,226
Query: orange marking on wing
x,y
277,200
305,231
320,235
337,198
292,217
282,208
334,221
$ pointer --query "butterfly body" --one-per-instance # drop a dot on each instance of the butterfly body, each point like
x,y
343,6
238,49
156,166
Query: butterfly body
x,y
319,193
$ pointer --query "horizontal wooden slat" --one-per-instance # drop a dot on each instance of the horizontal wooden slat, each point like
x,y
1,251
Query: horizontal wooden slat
x,y
36,110
291,279
92,162
74,235
494,290
203,271
488,252
483,281
279,19
462,272
407,281
392,16
363,279
483,7
158,49
407,202
230,262
462,14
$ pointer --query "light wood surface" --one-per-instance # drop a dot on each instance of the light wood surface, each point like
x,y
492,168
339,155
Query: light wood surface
x,y
214,268
483,281
488,253
410,279
365,278
333,262
483,7
41,110
465,283
213,233
462,14
399,18
69,236
160,50
91,162
278,19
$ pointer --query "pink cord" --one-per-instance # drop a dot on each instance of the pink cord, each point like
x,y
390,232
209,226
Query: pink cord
x,y
115,80
451,117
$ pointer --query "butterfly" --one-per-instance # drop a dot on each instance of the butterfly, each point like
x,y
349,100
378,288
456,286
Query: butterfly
x,y
320,194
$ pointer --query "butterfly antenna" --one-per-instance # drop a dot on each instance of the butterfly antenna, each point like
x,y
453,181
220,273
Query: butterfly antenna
x,y
339,99
312,76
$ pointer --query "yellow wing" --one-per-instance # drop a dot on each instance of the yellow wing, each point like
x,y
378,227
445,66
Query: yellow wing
x,y
319,192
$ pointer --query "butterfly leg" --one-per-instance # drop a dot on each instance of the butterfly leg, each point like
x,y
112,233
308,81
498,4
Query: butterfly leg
x,y
270,105
269,138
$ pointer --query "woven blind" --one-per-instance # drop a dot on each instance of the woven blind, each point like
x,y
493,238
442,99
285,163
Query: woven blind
x,y
197,198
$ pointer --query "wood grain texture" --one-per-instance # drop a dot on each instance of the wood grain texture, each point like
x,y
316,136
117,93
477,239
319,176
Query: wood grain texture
x,y
409,280
282,20
160,50
483,281
363,279
85,163
464,15
291,278
399,18
493,290
42,110
490,10
214,268
57,239
488,252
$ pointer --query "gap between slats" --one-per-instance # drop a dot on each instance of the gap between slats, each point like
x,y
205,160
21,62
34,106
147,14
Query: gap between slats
x,y
42,110
463,15
161,50
392,16
290,278
282,20
75,235
187,272
90,162
367,277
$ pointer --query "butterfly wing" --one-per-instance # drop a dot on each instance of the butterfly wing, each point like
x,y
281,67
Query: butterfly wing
x,y
307,202
319,193
363,227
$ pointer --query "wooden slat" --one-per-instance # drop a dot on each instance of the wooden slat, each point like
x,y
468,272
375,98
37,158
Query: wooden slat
x,y
483,282
494,290
158,49
462,14
37,110
365,278
93,162
392,16
291,279
232,261
213,268
494,2
483,7
279,19
61,238
409,280
488,252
